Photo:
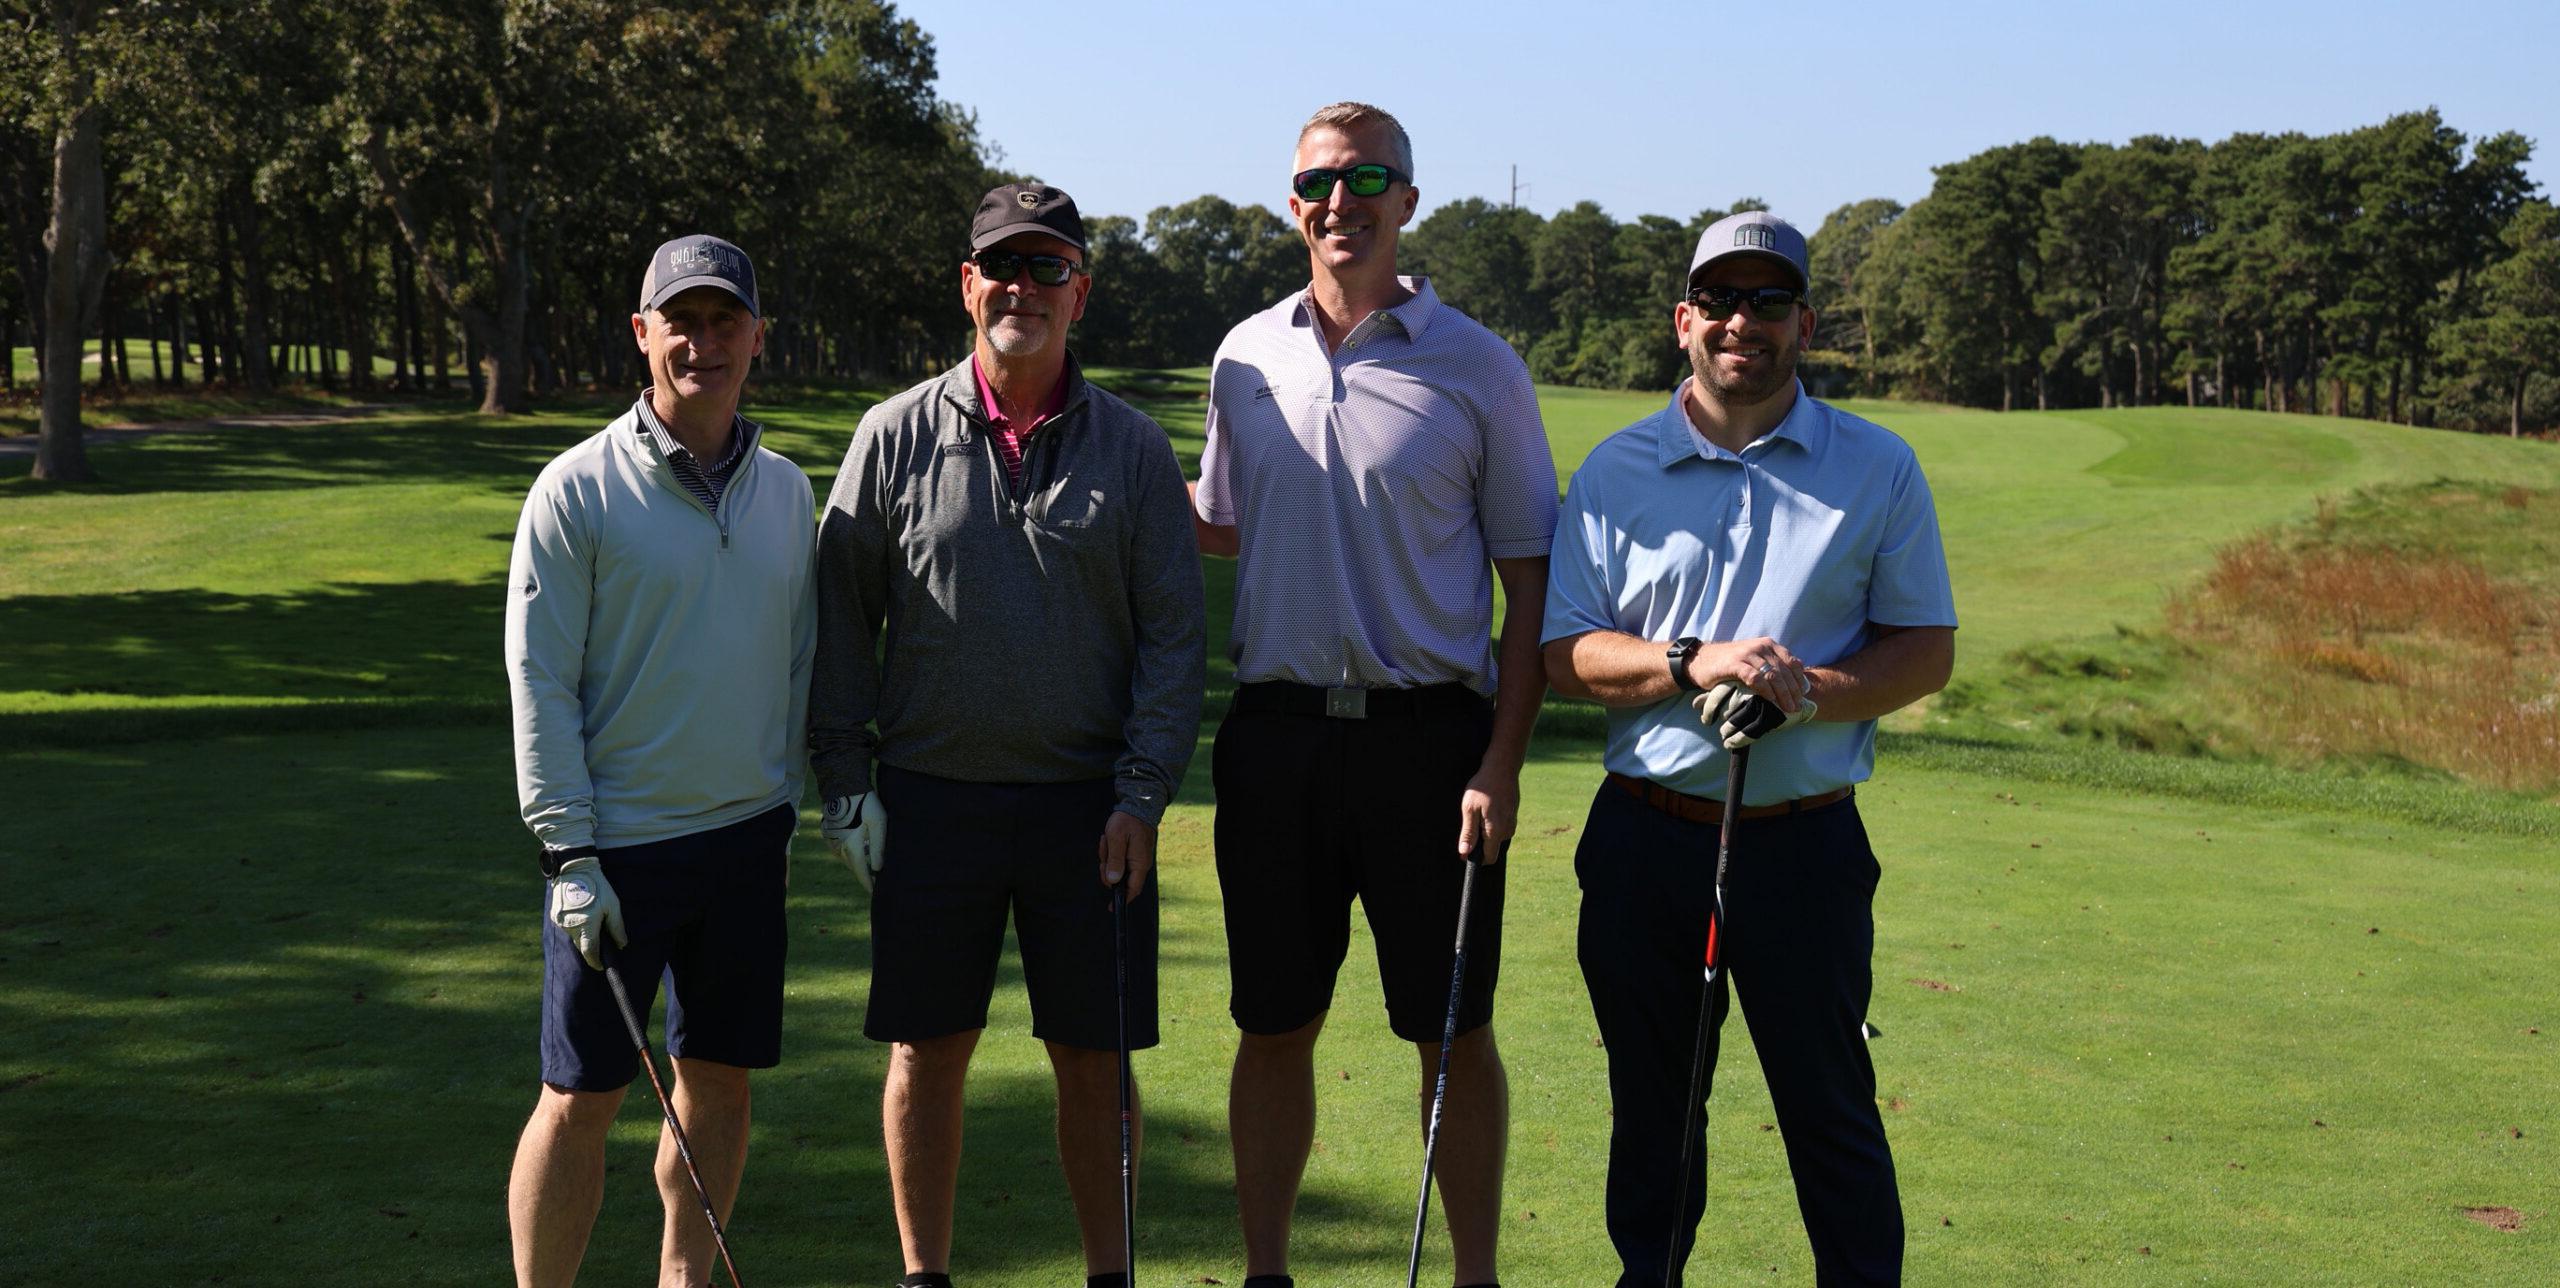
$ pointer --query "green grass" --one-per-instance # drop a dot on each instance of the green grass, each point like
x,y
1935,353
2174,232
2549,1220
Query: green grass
x,y
266,1003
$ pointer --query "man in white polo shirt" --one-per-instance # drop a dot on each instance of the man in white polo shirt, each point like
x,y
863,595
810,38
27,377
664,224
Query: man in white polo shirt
x,y
1375,459
1746,534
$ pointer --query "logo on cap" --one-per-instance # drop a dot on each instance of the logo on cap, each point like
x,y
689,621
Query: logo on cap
x,y
1026,199
1756,236
697,257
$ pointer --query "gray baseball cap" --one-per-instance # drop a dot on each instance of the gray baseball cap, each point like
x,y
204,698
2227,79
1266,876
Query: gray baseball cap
x,y
699,259
1756,233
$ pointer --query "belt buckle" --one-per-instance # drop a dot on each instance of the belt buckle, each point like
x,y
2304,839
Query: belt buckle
x,y
1347,704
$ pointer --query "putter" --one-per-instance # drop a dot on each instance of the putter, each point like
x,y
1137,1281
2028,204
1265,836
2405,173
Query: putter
x,y
1128,1152
631,1021
1690,1126
1440,1084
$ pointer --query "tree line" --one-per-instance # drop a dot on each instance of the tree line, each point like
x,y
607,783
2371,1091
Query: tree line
x,y
269,190
2401,272
285,190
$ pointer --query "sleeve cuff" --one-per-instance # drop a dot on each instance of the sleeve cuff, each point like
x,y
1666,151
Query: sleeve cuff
x,y
1144,802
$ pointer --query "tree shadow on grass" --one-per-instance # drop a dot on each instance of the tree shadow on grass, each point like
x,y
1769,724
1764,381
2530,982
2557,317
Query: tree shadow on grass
x,y
268,1011
401,647
263,458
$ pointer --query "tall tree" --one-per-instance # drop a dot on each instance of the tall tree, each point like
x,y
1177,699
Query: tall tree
x,y
1847,298
75,236
2510,330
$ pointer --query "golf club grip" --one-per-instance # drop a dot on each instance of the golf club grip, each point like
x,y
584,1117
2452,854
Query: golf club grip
x,y
666,1107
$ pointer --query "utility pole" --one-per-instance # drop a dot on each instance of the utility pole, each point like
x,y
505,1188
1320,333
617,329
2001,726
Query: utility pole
x,y
1517,187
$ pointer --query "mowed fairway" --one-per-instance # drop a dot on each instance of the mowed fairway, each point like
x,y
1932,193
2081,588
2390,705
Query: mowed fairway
x,y
267,969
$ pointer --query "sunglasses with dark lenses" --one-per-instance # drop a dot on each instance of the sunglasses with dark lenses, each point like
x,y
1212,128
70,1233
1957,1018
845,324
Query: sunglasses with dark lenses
x,y
1366,180
1005,265
1767,304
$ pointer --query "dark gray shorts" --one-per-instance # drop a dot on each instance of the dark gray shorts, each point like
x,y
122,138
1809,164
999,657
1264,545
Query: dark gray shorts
x,y
962,858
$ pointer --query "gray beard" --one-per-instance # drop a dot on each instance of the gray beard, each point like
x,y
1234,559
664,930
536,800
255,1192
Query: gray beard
x,y
1013,339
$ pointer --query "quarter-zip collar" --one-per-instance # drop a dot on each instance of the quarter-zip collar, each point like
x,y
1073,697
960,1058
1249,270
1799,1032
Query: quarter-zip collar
x,y
745,436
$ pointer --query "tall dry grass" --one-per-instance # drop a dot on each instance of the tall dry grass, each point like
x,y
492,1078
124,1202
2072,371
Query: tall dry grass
x,y
2363,651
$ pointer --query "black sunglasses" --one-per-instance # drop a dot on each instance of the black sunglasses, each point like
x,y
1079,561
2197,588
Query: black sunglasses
x,y
1366,180
1767,304
1005,265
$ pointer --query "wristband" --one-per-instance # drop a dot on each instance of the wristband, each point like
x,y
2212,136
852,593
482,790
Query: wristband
x,y
554,857
1682,649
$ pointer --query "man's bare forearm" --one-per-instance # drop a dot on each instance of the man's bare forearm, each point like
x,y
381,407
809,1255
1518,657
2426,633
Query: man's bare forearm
x,y
1900,666
1522,687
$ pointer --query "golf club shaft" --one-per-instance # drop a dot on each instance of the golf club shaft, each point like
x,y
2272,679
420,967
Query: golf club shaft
x,y
1440,1084
1690,1127
1128,1150
631,1021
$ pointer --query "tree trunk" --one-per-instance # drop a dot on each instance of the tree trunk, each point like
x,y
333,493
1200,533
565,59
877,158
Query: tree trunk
x,y
257,296
177,342
355,314
75,268
404,322
2515,411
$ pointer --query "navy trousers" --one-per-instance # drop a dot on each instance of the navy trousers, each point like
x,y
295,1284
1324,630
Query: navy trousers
x,y
1800,930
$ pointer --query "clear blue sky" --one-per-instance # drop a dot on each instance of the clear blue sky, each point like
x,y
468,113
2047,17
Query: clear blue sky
x,y
1668,108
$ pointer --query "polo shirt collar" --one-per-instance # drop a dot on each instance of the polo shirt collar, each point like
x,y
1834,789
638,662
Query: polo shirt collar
x,y
742,433
1413,317
960,387
1808,426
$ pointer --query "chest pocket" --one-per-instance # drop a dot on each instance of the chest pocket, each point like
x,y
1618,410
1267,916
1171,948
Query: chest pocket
x,y
1069,505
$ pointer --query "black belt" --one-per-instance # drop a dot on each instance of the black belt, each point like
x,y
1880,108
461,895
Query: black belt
x,y
1281,698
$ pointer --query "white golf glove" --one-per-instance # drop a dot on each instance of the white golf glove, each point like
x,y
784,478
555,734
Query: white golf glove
x,y
1740,717
857,830
582,904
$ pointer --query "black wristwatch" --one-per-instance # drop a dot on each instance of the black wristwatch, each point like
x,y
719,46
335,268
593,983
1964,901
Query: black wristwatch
x,y
1682,649
554,857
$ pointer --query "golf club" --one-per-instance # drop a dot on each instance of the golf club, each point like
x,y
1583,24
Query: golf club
x,y
1440,1085
1690,1126
1128,1152
631,1021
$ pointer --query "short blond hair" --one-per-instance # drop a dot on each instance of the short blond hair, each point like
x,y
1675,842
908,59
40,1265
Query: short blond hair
x,y
1344,115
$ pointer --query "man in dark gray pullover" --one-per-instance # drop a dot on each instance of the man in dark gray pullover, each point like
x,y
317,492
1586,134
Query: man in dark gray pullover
x,y
1024,541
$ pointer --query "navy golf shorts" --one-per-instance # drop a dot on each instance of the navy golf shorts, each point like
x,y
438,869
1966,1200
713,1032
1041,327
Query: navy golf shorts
x,y
705,912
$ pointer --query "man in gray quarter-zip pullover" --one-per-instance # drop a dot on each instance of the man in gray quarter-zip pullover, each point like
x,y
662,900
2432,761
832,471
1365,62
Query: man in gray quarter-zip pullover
x,y
1021,541
659,637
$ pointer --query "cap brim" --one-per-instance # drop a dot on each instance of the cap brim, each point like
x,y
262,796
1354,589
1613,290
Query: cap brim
x,y
1750,252
990,238
683,284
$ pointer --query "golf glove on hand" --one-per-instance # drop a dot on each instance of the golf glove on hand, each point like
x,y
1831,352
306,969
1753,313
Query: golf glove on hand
x,y
583,904
857,830
1740,717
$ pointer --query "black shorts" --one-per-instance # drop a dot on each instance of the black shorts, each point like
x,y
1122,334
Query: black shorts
x,y
1314,811
703,910
961,857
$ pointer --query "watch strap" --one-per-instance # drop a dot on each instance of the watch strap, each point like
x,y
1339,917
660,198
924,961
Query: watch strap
x,y
554,857
1681,650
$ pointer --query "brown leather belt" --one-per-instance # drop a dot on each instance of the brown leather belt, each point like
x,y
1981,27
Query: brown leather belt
x,y
1704,809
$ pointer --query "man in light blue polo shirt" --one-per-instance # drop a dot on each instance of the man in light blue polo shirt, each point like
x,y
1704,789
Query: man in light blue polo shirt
x,y
1746,534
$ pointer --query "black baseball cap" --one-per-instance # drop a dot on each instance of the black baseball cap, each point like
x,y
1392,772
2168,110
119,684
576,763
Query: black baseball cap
x,y
698,259
1025,208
